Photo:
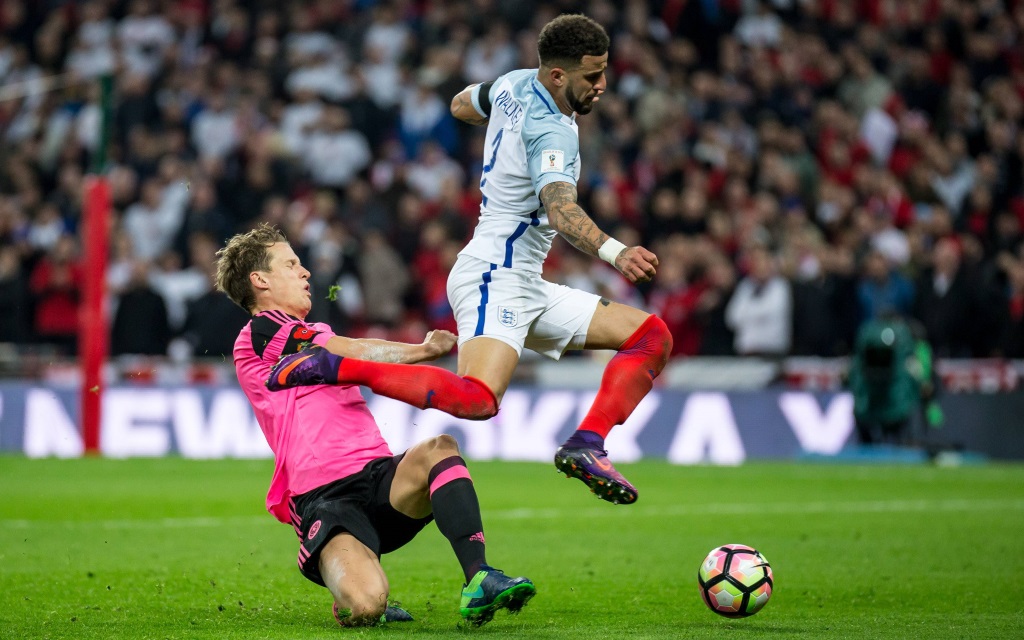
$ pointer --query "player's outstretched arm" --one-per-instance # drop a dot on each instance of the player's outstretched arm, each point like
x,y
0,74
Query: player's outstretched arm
x,y
464,108
436,344
570,220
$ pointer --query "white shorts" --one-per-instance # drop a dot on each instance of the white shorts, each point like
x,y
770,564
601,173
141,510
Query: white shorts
x,y
518,307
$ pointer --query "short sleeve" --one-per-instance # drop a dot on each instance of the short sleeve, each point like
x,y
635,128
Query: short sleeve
x,y
275,334
481,98
552,157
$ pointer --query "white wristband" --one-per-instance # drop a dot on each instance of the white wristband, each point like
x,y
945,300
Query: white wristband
x,y
610,250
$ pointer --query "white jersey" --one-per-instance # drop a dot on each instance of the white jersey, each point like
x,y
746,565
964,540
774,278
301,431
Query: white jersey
x,y
529,145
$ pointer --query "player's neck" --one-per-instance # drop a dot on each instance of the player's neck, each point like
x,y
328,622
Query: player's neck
x,y
558,96
260,308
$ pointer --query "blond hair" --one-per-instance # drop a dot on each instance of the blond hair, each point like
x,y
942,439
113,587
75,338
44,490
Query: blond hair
x,y
243,254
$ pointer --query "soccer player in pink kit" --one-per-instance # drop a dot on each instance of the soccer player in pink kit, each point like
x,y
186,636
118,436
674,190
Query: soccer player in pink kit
x,y
336,481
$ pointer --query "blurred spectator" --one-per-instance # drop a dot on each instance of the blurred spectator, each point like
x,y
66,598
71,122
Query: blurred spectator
x,y
760,27
490,56
140,324
334,278
761,309
437,310
424,116
299,119
261,180
381,77
204,214
864,89
947,303
674,301
14,297
954,174
153,222
212,323
145,36
47,228
56,285
432,171
93,52
1011,339
717,337
215,128
179,286
362,210
384,278
824,302
882,289
335,152
323,72
388,32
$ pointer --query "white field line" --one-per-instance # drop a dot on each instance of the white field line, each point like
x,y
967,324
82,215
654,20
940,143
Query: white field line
x,y
760,508
767,508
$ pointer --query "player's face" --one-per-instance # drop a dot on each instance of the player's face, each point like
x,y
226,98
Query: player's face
x,y
587,83
288,281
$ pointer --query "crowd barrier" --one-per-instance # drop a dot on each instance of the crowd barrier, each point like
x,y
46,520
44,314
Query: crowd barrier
x,y
727,428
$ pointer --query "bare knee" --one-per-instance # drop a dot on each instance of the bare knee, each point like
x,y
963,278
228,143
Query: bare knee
x,y
433,450
429,452
445,444
352,573
363,609
360,602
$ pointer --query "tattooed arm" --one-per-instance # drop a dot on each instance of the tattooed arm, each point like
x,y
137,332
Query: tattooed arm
x,y
570,220
463,109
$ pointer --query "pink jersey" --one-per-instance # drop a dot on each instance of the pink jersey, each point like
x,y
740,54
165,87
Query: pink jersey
x,y
318,434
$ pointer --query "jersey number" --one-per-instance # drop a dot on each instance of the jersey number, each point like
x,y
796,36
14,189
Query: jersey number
x,y
494,157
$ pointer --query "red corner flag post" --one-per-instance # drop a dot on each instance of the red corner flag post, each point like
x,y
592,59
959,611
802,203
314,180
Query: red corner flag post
x,y
92,332
92,326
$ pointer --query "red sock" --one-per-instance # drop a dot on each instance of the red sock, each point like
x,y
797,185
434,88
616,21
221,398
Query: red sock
x,y
423,386
629,376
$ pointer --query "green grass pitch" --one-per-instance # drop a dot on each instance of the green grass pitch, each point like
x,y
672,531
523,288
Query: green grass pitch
x,y
172,548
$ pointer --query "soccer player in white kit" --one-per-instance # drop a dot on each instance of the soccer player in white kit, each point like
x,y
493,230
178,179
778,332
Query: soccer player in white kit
x,y
502,304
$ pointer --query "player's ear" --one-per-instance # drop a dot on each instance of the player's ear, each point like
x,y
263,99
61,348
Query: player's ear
x,y
258,280
558,76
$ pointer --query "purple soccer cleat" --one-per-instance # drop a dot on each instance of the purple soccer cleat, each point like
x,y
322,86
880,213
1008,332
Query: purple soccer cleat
x,y
311,366
593,467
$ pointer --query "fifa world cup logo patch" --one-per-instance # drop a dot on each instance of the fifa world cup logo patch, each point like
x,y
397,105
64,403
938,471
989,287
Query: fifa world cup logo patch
x,y
552,160
508,317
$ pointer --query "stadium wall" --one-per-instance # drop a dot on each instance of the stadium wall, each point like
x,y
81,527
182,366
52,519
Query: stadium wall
x,y
684,427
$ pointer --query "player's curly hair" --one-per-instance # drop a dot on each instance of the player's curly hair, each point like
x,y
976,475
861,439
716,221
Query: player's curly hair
x,y
243,254
565,40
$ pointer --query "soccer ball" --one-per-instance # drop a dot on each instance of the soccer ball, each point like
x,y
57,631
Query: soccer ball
x,y
735,581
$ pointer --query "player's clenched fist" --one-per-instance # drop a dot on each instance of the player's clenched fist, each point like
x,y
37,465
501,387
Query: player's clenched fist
x,y
439,342
637,264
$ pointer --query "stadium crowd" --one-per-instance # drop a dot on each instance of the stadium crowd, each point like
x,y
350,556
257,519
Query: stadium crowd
x,y
798,166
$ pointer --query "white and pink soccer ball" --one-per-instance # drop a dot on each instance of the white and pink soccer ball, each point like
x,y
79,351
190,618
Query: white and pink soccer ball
x,y
735,581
